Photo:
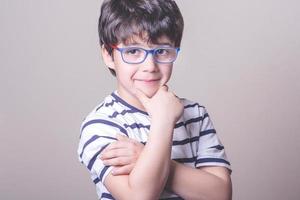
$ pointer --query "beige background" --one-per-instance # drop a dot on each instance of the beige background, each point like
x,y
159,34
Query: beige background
x,y
241,59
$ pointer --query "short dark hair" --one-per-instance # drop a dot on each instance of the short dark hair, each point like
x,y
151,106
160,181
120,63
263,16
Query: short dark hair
x,y
122,19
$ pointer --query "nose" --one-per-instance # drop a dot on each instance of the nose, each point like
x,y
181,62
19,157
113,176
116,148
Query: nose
x,y
149,65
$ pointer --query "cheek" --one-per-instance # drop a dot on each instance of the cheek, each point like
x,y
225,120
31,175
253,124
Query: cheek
x,y
125,72
167,72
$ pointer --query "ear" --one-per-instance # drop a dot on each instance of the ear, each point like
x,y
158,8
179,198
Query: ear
x,y
107,58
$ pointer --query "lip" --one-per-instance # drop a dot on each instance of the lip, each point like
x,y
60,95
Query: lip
x,y
147,80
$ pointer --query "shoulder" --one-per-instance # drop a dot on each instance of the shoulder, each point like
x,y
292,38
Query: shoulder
x,y
105,109
192,108
103,117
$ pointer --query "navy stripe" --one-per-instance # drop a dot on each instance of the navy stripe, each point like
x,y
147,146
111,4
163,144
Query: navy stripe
x,y
218,160
205,116
135,125
185,160
92,161
99,107
193,105
206,132
121,113
96,180
118,99
107,196
179,125
219,147
185,141
193,120
111,103
103,172
92,139
101,121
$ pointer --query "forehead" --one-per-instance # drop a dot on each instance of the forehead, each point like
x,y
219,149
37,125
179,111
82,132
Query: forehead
x,y
143,39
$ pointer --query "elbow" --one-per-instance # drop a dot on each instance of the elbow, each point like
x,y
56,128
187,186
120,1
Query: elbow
x,y
226,193
135,194
145,194
146,191
221,192
224,189
144,197
138,195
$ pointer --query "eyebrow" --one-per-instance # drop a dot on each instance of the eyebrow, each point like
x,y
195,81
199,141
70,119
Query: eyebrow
x,y
139,44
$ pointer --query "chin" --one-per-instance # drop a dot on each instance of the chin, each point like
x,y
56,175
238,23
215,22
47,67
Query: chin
x,y
149,92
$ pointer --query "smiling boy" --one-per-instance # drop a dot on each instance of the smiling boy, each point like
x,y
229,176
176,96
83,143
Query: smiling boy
x,y
169,148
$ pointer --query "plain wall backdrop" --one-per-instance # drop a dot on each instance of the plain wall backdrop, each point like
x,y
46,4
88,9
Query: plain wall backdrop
x,y
239,58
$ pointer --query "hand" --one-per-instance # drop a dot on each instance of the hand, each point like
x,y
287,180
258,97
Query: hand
x,y
122,155
163,107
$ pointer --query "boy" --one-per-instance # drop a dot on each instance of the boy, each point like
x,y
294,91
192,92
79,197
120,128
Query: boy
x,y
143,142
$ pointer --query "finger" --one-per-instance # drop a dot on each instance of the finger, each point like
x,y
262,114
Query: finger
x,y
109,147
123,170
119,161
174,95
121,137
165,87
114,153
115,145
120,148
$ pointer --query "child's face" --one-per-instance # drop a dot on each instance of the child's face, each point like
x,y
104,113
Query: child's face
x,y
147,76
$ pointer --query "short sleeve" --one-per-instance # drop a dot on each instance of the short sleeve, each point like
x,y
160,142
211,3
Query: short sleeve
x,y
96,135
210,151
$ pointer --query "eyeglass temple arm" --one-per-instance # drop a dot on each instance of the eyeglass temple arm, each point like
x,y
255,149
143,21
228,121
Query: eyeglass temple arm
x,y
113,46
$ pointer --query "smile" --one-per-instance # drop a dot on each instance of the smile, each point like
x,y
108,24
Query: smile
x,y
148,82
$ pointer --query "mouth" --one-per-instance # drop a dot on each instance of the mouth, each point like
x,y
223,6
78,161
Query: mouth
x,y
148,80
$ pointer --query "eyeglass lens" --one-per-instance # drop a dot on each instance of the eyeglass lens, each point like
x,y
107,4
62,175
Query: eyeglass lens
x,y
161,55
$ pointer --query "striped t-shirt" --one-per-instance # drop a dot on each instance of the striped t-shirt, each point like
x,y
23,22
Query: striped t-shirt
x,y
195,142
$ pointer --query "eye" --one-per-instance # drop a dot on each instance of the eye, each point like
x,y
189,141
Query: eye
x,y
162,51
133,51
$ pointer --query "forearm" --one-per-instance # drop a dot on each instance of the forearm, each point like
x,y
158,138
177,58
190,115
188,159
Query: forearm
x,y
151,171
198,184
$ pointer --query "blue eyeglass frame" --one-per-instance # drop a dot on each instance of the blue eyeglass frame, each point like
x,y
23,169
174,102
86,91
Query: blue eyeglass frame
x,y
151,51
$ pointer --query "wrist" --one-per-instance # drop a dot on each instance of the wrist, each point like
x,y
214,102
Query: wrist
x,y
161,134
165,123
162,127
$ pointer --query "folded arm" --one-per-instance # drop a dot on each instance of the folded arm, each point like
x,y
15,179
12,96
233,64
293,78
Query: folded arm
x,y
189,183
151,170
150,173
205,183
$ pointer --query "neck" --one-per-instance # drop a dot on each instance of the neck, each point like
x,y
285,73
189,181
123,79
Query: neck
x,y
131,99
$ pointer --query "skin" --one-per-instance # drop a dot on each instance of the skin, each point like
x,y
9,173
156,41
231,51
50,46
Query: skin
x,y
144,86
146,77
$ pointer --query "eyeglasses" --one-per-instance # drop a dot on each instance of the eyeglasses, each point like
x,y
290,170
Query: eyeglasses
x,y
137,55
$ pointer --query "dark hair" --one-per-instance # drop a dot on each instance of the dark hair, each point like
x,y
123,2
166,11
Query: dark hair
x,y
120,20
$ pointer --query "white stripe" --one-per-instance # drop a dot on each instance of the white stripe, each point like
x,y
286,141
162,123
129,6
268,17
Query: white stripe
x,y
199,149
